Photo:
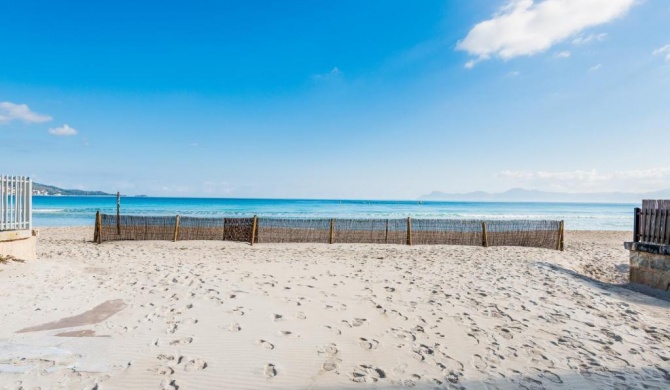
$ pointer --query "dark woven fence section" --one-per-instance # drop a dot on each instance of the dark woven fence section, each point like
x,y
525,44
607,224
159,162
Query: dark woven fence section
x,y
446,232
136,227
238,229
529,233
293,230
191,228
536,234
370,231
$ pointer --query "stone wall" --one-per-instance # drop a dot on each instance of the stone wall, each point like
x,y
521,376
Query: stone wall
x,y
21,244
650,264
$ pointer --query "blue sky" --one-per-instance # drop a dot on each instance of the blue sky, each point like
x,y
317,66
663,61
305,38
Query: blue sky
x,y
348,99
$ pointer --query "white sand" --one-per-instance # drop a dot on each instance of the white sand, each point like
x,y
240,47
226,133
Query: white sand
x,y
216,315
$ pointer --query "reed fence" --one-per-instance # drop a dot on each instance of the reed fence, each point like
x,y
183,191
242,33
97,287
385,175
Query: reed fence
x,y
528,233
652,222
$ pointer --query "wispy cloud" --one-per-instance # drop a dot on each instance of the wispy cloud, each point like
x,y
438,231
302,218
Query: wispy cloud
x,y
584,39
527,27
595,68
562,54
21,112
63,131
592,180
664,51
335,72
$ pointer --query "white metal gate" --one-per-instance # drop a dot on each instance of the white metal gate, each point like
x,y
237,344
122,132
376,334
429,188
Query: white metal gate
x,y
16,197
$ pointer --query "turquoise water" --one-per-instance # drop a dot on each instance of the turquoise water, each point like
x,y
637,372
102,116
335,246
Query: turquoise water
x,y
80,210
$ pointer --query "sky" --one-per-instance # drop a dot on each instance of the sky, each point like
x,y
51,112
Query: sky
x,y
348,99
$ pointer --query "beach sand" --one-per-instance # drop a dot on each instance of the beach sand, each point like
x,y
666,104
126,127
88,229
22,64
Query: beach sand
x,y
224,315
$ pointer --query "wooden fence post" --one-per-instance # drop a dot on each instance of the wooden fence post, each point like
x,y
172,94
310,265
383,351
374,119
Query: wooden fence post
x,y
223,230
409,230
485,239
332,230
636,225
98,224
176,229
118,213
386,238
96,231
561,228
253,230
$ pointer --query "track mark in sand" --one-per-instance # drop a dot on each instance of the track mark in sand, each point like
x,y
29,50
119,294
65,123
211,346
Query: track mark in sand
x,y
479,363
238,311
277,317
504,332
367,374
287,333
163,356
265,344
331,352
269,371
330,365
169,385
195,365
550,376
235,327
185,340
403,334
368,343
301,316
162,370
329,349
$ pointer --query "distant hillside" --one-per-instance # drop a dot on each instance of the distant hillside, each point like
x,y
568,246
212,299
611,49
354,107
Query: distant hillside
x,y
43,189
522,195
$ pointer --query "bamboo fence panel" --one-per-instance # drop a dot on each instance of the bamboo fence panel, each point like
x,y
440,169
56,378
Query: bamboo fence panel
x,y
531,233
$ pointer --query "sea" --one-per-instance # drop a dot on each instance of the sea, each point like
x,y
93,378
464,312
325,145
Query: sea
x,y
80,210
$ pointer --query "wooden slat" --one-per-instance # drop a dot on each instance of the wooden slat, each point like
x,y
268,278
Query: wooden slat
x,y
648,225
332,230
485,241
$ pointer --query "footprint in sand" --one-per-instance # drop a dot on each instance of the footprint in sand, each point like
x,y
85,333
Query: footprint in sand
x,y
169,385
265,344
234,327
185,340
479,363
301,316
329,349
367,374
368,343
162,370
270,371
195,365
403,334
277,317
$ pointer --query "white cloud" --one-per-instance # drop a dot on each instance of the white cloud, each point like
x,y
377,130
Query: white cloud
x,y
21,112
63,131
527,27
335,72
595,68
592,180
562,54
665,50
513,73
584,39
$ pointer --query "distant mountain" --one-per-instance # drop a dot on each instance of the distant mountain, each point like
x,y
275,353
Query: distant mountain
x,y
522,195
43,189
